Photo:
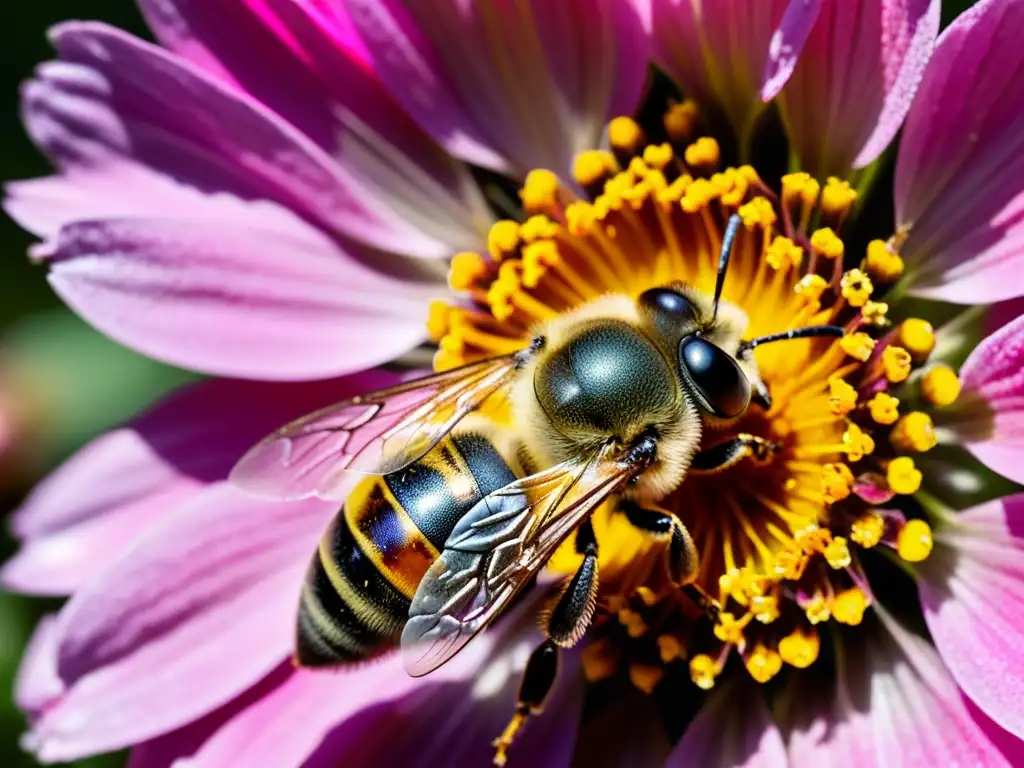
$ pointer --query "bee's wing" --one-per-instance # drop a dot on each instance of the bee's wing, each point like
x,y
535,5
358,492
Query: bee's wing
x,y
496,548
377,433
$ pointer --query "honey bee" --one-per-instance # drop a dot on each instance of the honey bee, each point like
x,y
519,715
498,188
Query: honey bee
x,y
457,516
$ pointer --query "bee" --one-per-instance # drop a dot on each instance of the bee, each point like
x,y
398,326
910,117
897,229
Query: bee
x,y
455,518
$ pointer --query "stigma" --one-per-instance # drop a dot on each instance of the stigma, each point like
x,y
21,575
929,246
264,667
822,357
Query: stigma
x,y
780,541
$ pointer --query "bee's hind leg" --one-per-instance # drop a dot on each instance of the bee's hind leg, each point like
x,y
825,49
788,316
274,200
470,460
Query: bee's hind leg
x,y
724,455
564,623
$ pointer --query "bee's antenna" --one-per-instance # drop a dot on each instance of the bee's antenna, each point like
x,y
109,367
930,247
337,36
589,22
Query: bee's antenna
x,y
731,228
810,331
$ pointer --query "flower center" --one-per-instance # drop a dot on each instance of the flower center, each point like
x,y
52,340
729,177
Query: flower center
x,y
780,539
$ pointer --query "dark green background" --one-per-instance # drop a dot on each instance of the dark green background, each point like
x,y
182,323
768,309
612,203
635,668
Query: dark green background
x,y
91,383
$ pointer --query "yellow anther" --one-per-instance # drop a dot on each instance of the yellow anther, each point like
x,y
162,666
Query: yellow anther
x,y
800,648
903,476
698,194
857,443
600,660
680,120
783,253
765,608
633,622
837,199
669,648
647,595
918,337
818,609
729,582
537,227
858,345
813,539
763,663
867,529
790,564
759,212
882,263
674,192
874,312
438,319
837,553
703,153
940,385
729,629
856,288
703,671
645,677
503,239
810,288
658,155
826,243
836,482
592,166
842,397
732,185
625,134
896,363
537,258
580,218
884,408
849,605
799,189
467,268
914,432
914,542
540,191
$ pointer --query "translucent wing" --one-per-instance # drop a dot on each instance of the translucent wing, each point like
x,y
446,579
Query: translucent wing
x,y
498,546
377,433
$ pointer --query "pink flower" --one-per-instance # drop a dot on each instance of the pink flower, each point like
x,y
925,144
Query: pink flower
x,y
272,195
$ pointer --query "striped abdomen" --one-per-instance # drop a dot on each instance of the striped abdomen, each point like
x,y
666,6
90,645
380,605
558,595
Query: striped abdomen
x,y
372,557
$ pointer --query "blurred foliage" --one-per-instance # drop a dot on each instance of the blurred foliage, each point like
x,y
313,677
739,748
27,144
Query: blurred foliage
x,y
71,382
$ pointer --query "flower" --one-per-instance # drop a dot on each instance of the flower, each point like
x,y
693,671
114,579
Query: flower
x,y
184,589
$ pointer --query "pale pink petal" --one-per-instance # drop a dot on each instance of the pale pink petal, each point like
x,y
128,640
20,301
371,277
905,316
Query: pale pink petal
x,y
37,684
960,167
788,43
273,299
113,489
894,704
990,419
733,729
972,591
855,80
716,50
196,611
114,101
305,65
509,85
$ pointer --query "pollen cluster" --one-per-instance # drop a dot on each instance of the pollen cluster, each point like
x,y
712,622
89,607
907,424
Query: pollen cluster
x,y
780,540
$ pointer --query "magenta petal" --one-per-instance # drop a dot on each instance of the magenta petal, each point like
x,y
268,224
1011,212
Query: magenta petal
x,y
734,729
191,615
37,684
509,85
273,299
787,44
307,65
960,165
856,78
972,591
716,50
991,424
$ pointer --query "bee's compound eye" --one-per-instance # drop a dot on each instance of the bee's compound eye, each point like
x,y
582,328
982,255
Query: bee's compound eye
x,y
715,376
669,305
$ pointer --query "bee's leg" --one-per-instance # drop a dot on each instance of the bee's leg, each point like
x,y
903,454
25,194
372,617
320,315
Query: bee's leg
x,y
725,455
681,554
565,623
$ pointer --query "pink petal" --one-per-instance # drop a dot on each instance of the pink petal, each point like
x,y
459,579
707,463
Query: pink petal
x,y
972,590
114,101
991,424
37,684
509,85
858,71
271,299
787,44
197,610
960,165
112,490
716,50
308,65
894,704
733,729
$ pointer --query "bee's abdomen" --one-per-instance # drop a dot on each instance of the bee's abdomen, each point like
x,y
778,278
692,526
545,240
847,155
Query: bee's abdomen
x,y
356,597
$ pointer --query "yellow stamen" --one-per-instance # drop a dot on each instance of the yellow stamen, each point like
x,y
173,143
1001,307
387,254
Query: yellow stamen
x,y
729,629
857,442
842,397
882,263
818,609
703,671
800,191
867,530
837,199
625,134
874,312
592,166
914,542
836,482
903,477
466,270
759,212
633,622
858,345
826,243
438,319
884,408
849,605
765,608
800,648
790,564
669,648
645,677
540,191
680,120
783,253
658,155
810,288
837,553
940,385
896,363
763,663
856,288
703,154
503,239
914,432
917,337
